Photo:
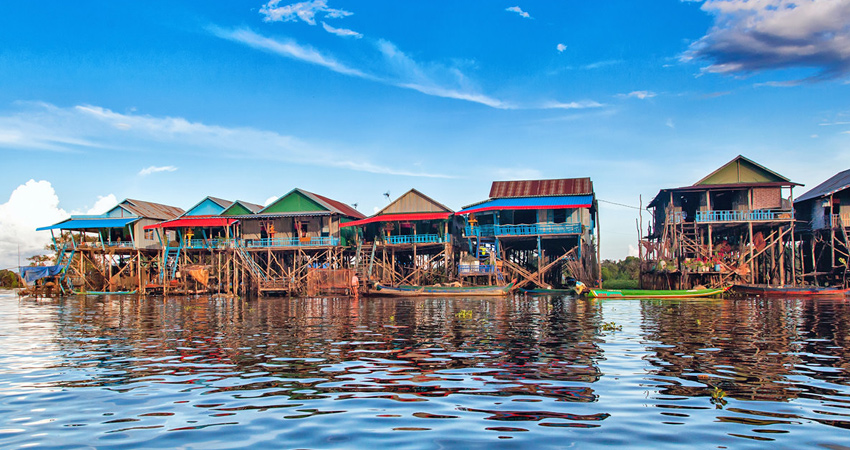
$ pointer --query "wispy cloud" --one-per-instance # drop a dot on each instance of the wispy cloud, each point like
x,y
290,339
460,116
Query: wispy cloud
x,y
518,10
288,49
304,11
642,95
788,83
756,35
341,31
173,135
155,169
669,123
601,64
572,105
561,48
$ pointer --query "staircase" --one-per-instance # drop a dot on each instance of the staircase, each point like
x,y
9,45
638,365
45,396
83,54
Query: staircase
x,y
253,268
365,260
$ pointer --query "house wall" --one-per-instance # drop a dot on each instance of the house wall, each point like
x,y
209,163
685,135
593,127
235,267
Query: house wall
x,y
317,226
767,198
141,242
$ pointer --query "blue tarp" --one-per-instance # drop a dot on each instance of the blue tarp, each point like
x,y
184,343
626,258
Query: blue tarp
x,y
89,224
31,274
565,201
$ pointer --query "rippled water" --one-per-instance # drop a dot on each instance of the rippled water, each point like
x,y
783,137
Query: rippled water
x,y
537,372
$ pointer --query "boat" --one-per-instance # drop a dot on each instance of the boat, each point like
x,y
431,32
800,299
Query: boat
x,y
105,293
569,291
653,293
441,291
763,290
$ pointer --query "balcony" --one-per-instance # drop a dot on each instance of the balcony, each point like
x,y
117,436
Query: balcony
x,y
415,239
326,241
524,230
839,220
119,244
475,269
758,215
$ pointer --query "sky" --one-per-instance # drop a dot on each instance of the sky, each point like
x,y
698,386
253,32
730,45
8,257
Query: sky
x,y
173,101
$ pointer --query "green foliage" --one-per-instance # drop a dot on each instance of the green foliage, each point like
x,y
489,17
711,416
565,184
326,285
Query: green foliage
x,y
10,280
627,269
620,284
611,326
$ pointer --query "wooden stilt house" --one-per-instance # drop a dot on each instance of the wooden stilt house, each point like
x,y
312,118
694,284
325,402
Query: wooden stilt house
x,y
823,216
539,232
407,242
110,251
734,225
191,248
286,245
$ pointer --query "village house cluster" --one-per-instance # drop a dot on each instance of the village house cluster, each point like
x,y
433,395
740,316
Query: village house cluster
x,y
741,223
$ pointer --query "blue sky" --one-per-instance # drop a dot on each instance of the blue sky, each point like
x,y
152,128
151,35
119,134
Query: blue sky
x,y
101,101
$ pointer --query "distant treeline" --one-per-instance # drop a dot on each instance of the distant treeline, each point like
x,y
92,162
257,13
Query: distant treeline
x,y
10,280
627,269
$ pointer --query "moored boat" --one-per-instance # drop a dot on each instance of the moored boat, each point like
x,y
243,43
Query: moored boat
x,y
762,290
441,291
569,291
653,293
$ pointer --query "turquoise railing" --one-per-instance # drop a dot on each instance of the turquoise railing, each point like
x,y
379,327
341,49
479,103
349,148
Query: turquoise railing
x,y
292,242
524,230
742,215
417,239
121,244
476,269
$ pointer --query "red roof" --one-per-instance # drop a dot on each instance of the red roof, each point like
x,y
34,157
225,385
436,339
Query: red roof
x,y
541,188
342,207
194,222
398,217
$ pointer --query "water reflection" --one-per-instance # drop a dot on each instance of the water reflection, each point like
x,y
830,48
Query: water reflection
x,y
421,373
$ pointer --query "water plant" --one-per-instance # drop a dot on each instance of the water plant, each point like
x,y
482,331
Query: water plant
x,y
464,314
717,397
611,326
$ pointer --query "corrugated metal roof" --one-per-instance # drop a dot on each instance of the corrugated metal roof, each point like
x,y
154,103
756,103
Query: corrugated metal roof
x,y
187,222
89,224
398,217
541,188
253,207
284,214
151,210
334,205
560,202
748,160
837,182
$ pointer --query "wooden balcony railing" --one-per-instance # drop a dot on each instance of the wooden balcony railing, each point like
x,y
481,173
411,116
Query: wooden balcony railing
x,y
524,230
744,215
839,220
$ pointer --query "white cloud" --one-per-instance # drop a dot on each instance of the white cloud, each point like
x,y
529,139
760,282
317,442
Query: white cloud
x,y
341,31
755,35
518,10
633,251
31,205
304,11
289,49
669,123
561,48
103,204
155,169
572,105
270,200
638,94
814,136
93,124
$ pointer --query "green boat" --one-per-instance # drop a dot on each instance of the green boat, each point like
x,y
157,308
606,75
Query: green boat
x,y
570,291
653,293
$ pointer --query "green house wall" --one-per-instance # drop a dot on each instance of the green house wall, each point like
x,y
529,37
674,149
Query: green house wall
x,y
741,172
294,202
236,210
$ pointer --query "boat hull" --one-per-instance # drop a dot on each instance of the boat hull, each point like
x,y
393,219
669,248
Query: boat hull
x,y
441,291
788,291
639,293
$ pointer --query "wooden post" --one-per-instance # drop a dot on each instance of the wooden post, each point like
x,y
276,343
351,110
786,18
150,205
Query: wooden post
x,y
831,235
598,247
752,273
794,245
782,280
141,288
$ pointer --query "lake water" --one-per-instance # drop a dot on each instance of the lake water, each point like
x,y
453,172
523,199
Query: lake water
x,y
533,372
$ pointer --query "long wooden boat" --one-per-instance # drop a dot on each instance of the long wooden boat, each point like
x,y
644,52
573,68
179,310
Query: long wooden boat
x,y
570,291
763,290
105,293
651,293
440,291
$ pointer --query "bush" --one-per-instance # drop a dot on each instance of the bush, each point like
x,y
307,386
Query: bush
x,y
620,284
10,280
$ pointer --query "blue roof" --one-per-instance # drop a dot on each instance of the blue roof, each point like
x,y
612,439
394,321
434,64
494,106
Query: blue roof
x,y
558,202
89,224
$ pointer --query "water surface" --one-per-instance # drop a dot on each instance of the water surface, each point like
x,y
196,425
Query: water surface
x,y
536,372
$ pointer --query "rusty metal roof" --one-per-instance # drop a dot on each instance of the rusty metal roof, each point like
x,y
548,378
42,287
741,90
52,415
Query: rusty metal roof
x,y
151,210
541,188
334,205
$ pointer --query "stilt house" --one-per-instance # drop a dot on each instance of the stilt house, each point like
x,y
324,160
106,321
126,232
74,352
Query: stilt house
x,y
823,214
407,242
732,225
539,232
